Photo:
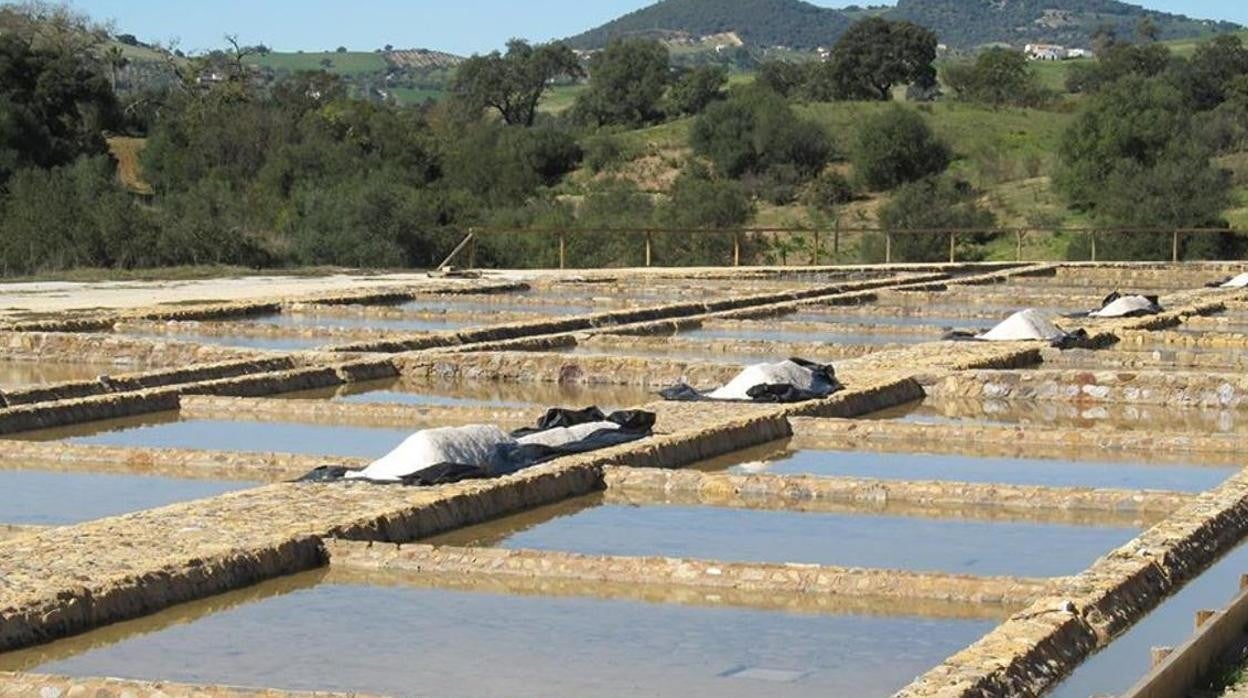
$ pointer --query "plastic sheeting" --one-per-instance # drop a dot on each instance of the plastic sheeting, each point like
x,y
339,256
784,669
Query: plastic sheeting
x,y
1116,305
451,454
794,380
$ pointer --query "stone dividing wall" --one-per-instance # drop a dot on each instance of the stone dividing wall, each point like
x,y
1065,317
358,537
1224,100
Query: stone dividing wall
x,y
785,578
124,352
168,462
352,414
514,585
1177,358
1029,440
1205,340
129,382
562,368
810,350
781,491
1035,648
1090,387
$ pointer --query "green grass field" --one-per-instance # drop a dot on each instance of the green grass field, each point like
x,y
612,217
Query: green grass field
x,y
349,63
416,95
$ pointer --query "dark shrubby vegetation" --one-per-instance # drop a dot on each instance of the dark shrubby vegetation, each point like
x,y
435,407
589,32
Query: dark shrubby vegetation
x,y
1139,154
997,77
897,148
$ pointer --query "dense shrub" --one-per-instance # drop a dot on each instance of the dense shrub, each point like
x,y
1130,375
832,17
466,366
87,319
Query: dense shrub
x,y
897,147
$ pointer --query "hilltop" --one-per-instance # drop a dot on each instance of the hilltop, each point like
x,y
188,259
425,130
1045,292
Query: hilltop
x,y
970,23
959,23
791,23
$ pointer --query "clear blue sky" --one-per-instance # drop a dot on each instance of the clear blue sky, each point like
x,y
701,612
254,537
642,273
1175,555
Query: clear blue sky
x,y
459,26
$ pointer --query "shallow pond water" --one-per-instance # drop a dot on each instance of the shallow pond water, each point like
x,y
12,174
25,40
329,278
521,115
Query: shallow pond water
x,y
25,374
167,430
909,465
588,526
311,633
1066,415
33,497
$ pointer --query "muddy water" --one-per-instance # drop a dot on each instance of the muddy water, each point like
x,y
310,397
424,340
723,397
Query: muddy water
x,y
1116,668
57,498
743,535
483,393
1070,416
900,465
167,430
24,374
298,634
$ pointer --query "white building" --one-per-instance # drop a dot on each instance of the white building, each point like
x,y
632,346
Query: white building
x,y
1045,52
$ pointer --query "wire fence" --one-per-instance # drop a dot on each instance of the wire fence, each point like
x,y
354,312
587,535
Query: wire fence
x,y
819,246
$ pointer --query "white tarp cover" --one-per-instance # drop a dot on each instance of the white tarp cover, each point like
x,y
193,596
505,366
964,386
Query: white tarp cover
x,y
560,436
469,445
1240,281
1029,324
784,372
1124,306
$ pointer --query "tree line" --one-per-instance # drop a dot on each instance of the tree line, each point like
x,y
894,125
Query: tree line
x,y
298,172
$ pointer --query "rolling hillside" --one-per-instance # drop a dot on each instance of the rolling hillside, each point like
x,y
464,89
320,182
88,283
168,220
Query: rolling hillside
x,y
959,23
790,23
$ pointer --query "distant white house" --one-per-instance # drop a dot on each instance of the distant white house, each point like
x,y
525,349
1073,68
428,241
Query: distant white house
x,y
1078,53
1045,52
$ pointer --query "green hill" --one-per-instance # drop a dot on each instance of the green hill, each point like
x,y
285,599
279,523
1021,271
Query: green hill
x,y
969,23
959,23
790,23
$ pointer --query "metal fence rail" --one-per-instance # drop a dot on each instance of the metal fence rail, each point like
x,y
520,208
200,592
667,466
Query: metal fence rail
x,y
819,237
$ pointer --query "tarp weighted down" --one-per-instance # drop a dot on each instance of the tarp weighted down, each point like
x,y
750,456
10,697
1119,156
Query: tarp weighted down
x,y
451,454
1117,305
1240,281
1028,325
794,380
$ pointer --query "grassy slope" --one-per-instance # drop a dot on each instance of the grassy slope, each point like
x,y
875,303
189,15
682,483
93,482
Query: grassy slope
x,y
349,63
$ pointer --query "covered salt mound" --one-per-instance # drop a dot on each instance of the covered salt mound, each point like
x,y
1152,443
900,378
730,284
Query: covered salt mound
x,y
793,380
1240,281
1115,306
451,454
1023,326
474,444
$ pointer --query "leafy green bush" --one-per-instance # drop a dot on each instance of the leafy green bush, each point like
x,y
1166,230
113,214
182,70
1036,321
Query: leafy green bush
x,y
897,147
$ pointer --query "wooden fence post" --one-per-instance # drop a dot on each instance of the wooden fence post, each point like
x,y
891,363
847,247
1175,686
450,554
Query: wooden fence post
x,y
1174,247
816,247
1092,235
1018,253
953,246
888,247
647,248
736,249
563,251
